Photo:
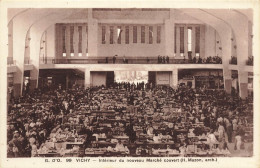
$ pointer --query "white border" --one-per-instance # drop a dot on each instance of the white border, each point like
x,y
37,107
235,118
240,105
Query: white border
x,y
221,4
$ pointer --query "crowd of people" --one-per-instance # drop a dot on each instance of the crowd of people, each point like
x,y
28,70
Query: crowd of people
x,y
163,59
143,113
208,60
166,60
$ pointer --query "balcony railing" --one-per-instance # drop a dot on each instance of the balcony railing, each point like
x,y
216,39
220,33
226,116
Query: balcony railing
x,y
124,60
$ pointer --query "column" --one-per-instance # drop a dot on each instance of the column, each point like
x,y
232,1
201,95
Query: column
x,y
76,41
193,41
226,51
169,29
87,78
93,38
174,82
146,34
131,34
115,35
34,79
27,47
84,40
123,35
93,35
139,34
186,41
155,34
67,41
10,39
107,35
243,83
45,44
227,80
202,41
37,46
19,35
178,45
250,38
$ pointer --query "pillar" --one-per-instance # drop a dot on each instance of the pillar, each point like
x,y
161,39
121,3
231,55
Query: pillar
x,y
38,45
193,41
174,82
155,34
186,42
93,35
226,45
178,44
76,41
250,38
227,80
169,29
243,83
27,48
146,34
87,78
17,86
130,34
34,79
67,41
202,41
19,35
84,40
10,39
50,43
115,35
138,34
123,34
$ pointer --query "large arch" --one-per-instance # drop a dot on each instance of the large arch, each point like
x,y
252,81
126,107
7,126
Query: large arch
x,y
20,25
225,33
240,24
36,32
22,22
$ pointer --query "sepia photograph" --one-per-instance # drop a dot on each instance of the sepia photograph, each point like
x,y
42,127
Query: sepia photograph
x,y
136,84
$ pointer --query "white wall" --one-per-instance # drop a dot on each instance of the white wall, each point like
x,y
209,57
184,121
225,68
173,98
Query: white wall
x,y
10,39
211,45
210,41
98,78
51,41
131,14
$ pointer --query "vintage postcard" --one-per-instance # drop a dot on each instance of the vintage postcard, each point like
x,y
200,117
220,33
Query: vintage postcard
x,y
129,83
